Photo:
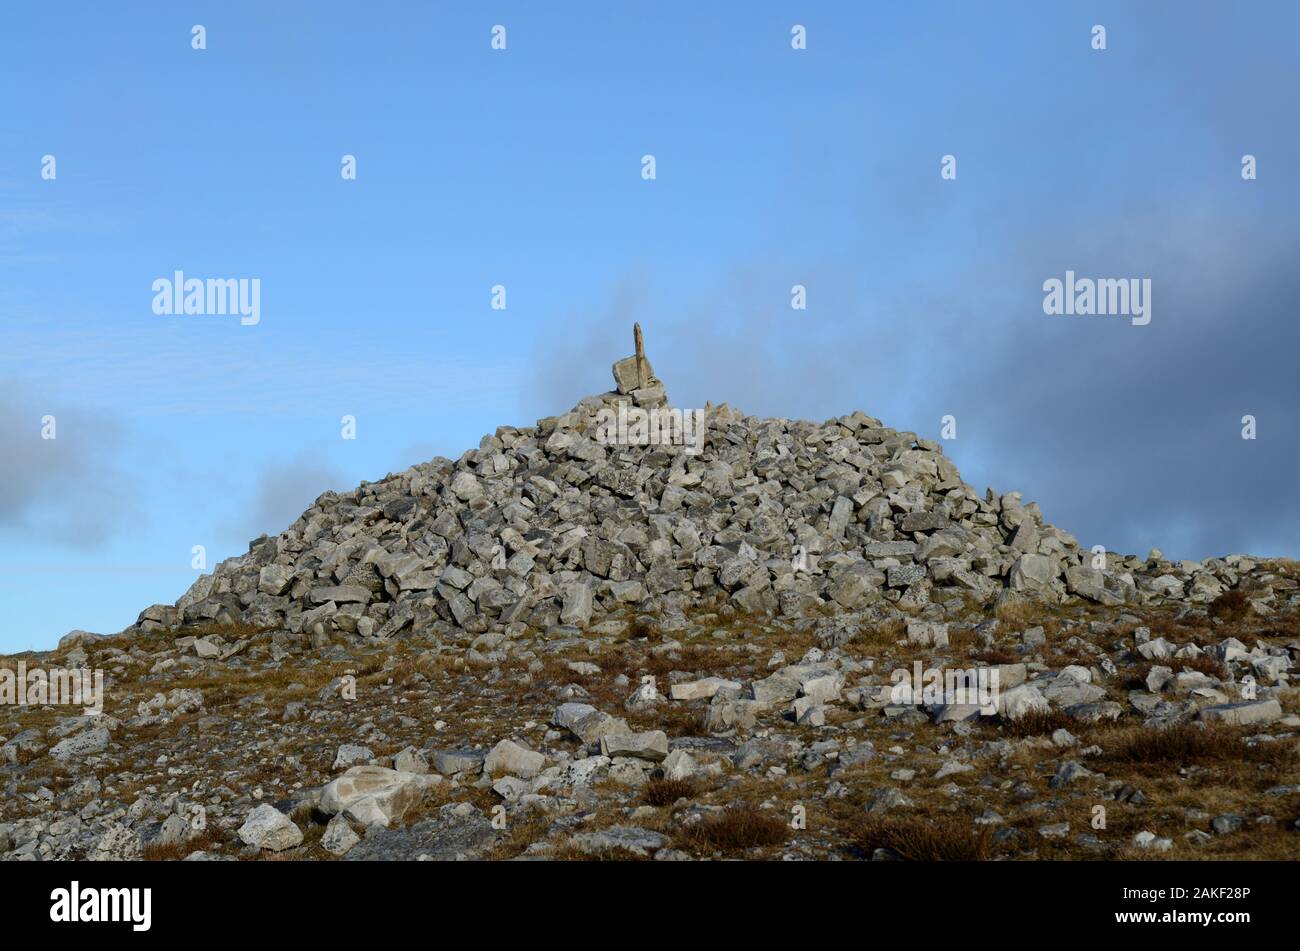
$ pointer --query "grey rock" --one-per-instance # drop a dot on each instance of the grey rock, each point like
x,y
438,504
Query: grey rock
x,y
1245,713
350,754
512,759
374,795
630,839
459,832
450,762
652,745
339,837
268,828
117,844
87,743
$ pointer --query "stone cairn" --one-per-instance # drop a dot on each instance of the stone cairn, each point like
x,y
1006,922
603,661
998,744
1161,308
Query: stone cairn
x,y
547,526
633,376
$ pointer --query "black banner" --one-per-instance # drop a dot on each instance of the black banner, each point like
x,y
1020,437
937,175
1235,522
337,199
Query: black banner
x,y
330,900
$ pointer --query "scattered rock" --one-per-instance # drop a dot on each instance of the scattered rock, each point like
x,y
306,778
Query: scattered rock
x,y
511,759
652,746
268,828
374,795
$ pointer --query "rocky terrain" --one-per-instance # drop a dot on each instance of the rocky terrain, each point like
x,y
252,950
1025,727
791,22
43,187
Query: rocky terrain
x,y
567,645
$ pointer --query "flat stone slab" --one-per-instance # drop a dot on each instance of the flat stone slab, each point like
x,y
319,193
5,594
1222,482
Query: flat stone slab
x,y
1246,713
457,834
625,838
701,689
652,745
449,762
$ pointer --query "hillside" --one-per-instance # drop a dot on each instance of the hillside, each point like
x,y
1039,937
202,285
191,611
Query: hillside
x,y
634,631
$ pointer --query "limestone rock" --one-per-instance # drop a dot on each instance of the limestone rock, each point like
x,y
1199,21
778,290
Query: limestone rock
x,y
510,759
268,828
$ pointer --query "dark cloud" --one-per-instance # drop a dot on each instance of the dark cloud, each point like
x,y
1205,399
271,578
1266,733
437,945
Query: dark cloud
x,y
1131,436
284,491
68,490
1128,436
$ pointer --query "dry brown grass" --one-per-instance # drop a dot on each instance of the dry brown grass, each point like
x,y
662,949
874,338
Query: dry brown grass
x,y
880,636
675,719
520,834
1236,619
703,659
1187,744
665,792
175,851
1229,606
737,828
1205,663
641,627
1018,613
223,687
427,808
926,839
1041,723
567,852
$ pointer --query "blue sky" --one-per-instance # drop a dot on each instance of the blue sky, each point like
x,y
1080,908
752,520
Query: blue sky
x,y
522,167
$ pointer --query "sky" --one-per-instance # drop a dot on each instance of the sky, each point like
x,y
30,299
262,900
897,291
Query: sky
x,y
523,168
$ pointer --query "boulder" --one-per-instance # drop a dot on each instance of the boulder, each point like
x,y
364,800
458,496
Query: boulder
x,y
268,828
374,795
511,759
652,746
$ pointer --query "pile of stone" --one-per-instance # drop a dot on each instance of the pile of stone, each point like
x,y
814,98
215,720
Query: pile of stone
x,y
556,525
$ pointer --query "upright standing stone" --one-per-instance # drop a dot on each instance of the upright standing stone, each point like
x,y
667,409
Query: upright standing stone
x,y
634,373
642,364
